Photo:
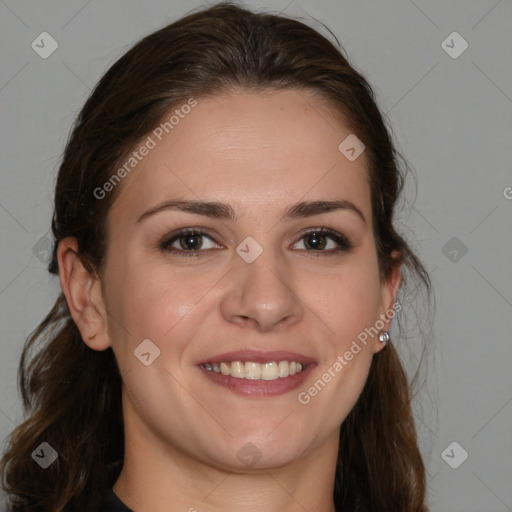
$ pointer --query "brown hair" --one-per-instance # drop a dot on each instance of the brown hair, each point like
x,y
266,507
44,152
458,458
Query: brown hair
x,y
71,393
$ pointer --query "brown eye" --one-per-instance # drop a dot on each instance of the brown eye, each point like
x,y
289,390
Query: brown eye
x,y
188,243
323,241
315,240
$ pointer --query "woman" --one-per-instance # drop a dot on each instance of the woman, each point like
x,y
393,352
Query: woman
x,y
225,244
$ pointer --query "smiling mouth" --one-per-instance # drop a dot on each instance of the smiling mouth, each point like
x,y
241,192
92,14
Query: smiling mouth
x,y
251,370
258,373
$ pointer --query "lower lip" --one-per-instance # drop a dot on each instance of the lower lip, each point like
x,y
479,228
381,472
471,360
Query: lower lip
x,y
259,388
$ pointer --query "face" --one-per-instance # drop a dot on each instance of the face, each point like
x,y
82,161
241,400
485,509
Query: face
x,y
249,279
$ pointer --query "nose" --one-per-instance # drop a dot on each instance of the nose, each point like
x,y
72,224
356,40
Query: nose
x,y
261,295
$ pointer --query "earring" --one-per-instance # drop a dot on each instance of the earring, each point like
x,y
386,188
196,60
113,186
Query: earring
x,y
384,337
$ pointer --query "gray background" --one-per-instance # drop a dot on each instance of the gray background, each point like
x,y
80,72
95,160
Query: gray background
x,y
452,119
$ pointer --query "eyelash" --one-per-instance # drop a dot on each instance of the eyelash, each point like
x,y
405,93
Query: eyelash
x,y
341,240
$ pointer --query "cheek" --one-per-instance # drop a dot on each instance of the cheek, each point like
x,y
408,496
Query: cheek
x,y
347,301
144,301
158,302
152,304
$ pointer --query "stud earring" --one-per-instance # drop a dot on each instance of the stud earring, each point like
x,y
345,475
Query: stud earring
x,y
384,337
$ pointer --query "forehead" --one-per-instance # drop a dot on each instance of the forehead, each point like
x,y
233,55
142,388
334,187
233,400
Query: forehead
x,y
247,149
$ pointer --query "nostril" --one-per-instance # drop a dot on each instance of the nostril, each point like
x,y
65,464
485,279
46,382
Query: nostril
x,y
246,321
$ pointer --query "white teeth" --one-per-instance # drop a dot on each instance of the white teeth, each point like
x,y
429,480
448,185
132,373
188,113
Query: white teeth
x,y
256,371
224,369
284,368
237,370
252,370
270,371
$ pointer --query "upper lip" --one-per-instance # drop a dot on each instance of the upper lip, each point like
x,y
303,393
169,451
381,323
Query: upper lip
x,y
258,356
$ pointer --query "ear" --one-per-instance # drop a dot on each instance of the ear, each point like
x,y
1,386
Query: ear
x,y
389,290
84,295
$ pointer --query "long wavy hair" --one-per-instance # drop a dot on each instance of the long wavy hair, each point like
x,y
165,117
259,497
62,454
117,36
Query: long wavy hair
x,y
72,394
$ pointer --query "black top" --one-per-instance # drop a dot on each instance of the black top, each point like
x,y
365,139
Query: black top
x,y
112,503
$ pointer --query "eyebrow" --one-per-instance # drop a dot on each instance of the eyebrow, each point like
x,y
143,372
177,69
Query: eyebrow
x,y
225,212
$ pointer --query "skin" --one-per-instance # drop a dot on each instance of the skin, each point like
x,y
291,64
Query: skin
x,y
259,153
